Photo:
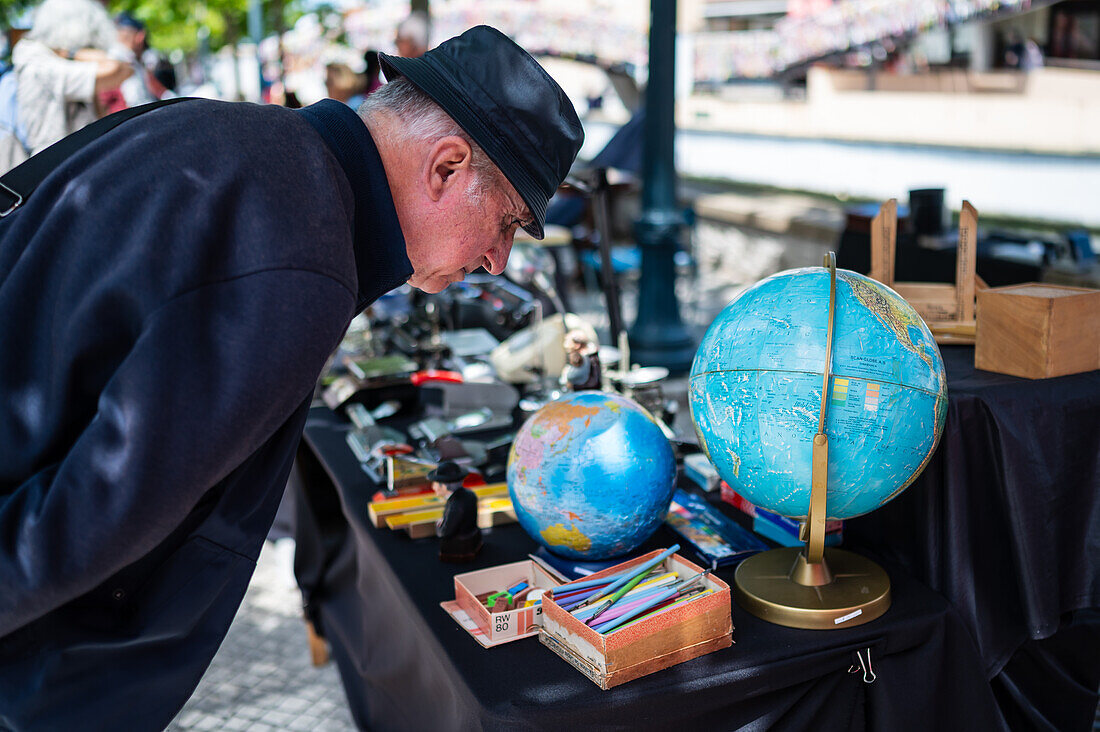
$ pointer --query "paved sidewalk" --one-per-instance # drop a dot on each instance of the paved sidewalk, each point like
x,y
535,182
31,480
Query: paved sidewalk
x,y
261,679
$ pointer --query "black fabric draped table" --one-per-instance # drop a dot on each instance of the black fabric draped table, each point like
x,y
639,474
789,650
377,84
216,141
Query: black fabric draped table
x,y
407,665
1005,523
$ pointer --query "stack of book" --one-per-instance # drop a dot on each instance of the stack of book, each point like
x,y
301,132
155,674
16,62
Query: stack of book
x,y
698,469
418,513
780,529
716,538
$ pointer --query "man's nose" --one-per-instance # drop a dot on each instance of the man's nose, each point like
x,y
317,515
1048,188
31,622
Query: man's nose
x,y
497,256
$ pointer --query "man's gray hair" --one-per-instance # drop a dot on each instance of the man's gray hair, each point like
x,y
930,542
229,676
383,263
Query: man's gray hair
x,y
425,121
70,25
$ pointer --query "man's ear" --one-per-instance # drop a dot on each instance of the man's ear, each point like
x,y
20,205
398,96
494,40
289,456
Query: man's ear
x,y
446,157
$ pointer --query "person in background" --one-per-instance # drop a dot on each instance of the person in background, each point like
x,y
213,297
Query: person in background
x,y
134,37
1032,57
411,39
582,363
341,83
164,73
1014,49
373,74
60,66
369,80
168,298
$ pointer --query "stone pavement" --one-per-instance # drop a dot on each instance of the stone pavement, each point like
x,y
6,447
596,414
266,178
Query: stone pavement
x,y
261,679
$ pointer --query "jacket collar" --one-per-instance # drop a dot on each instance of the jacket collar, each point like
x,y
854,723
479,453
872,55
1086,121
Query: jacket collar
x,y
380,260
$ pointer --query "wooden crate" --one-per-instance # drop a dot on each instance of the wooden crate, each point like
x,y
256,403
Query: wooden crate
x,y
381,508
1038,331
679,634
495,628
419,524
948,310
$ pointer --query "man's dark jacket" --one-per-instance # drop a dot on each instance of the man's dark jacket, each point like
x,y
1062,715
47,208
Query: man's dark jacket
x,y
168,297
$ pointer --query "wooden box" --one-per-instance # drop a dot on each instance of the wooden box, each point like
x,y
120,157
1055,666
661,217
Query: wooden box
x,y
1038,331
388,512
488,628
681,633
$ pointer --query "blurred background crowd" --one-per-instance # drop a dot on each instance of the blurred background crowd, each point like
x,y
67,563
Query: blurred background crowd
x,y
784,94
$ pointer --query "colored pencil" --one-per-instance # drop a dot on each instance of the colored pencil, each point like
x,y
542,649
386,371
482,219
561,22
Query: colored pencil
x,y
578,595
642,590
612,599
652,611
583,584
642,607
629,575
652,602
624,606
587,612
576,599
678,601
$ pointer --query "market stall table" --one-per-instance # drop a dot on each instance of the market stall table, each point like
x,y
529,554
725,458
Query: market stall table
x,y
405,664
1005,523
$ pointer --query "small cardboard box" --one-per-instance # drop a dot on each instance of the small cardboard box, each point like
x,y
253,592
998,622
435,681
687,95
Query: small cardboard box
x,y
681,633
491,629
1038,331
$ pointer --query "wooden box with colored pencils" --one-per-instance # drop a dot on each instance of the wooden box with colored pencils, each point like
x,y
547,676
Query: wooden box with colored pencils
x,y
502,603
637,617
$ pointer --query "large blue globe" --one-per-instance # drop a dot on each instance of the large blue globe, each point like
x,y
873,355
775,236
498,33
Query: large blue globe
x,y
756,382
591,475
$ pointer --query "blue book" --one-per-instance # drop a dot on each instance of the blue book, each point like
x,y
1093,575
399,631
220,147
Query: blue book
x,y
779,531
716,538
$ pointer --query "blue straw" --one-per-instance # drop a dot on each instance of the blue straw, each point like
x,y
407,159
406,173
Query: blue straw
x,y
573,602
582,584
627,576
588,611
676,589
657,600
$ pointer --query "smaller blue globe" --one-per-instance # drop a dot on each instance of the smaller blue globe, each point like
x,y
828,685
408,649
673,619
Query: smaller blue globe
x,y
591,475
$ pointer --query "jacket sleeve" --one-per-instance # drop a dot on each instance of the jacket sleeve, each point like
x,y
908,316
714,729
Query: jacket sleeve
x,y
213,373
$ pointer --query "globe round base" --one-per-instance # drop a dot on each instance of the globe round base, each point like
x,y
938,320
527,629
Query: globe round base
x,y
858,593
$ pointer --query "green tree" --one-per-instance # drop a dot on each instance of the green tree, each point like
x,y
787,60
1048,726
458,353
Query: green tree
x,y
11,10
175,24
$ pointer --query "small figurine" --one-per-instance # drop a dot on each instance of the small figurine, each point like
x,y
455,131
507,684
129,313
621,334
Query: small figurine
x,y
582,363
458,532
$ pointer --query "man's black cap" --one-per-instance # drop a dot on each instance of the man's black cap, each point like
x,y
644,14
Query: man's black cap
x,y
448,472
507,103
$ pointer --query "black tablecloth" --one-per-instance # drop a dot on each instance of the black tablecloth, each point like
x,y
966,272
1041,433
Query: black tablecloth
x,y
405,664
1005,522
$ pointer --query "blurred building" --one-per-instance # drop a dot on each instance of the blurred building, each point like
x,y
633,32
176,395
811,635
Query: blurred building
x,y
848,97
760,39
748,15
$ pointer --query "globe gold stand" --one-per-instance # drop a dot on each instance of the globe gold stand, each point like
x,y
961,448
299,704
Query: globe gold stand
x,y
814,587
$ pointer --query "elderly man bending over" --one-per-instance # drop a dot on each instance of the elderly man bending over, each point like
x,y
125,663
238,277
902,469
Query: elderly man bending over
x,y
164,324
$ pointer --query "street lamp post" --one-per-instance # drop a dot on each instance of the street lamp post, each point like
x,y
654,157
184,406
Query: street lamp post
x,y
256,30
658,336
